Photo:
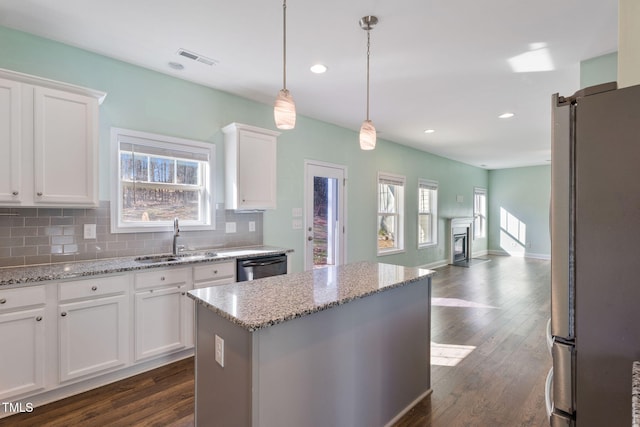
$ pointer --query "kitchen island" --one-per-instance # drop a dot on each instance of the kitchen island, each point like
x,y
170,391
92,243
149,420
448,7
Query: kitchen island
x,y
346,345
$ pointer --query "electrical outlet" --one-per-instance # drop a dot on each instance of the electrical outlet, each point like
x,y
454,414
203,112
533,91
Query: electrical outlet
x,y
296,224
252,226
89,231
220,351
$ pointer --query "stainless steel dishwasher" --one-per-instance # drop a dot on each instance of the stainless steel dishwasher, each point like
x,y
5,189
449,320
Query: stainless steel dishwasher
x,y
261,266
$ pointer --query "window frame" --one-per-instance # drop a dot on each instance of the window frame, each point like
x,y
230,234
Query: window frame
x,y
207,189
480,221
432,187
400,181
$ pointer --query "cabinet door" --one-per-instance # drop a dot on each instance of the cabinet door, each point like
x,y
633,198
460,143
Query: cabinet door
x,y
65,148
256,171
160,324
10,141
93,336
22,352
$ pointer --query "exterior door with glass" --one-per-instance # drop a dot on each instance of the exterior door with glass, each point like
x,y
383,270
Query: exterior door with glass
x,y
325,214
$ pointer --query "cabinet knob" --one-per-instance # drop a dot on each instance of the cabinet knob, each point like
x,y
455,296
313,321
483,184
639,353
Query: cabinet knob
x,y
94,288
63,314
162,278
215,271
39,193
3,301
15,193
38,319
184,293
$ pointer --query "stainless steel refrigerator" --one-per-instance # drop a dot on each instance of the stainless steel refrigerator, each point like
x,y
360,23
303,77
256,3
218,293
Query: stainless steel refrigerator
x,y
595,256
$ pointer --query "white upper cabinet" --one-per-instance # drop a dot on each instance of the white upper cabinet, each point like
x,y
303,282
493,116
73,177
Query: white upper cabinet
x,y
48,142
250,167
10,141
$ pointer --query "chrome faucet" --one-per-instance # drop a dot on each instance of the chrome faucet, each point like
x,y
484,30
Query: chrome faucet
x,y
176,233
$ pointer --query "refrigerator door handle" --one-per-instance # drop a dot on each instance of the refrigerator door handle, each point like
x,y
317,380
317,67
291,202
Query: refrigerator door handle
x,y
547,392
563,377
549,337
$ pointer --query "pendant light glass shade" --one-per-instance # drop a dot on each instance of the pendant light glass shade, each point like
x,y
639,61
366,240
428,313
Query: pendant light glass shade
x,y
284,110
367,135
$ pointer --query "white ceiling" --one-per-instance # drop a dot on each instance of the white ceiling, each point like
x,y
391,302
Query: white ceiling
x,y
439,64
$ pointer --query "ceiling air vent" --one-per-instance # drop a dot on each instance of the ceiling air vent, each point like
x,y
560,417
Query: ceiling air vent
x,y
197,57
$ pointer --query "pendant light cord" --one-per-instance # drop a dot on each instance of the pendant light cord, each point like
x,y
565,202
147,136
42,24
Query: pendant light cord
x,y
368,54
284,45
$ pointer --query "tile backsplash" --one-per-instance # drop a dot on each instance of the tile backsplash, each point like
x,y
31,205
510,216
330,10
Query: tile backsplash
x,y
31,236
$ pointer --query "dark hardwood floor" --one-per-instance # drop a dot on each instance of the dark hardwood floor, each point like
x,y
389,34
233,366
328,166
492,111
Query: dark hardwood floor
x,y
495,311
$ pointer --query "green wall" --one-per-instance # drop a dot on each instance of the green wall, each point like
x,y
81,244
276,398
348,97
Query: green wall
x,y
601,69
145,100
519,211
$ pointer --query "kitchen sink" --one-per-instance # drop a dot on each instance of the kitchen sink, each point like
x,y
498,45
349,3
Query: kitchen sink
x,y
153,259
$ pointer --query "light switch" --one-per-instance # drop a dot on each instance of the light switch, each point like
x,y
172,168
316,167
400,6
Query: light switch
x,y
297,224
296,212
230,227
459,199
252,226
89,231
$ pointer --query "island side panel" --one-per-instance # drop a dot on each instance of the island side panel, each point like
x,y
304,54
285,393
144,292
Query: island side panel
x,y
357,364
223,395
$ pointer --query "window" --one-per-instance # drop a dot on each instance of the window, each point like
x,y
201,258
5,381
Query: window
x,y
158,178
480,212
427,213
390,213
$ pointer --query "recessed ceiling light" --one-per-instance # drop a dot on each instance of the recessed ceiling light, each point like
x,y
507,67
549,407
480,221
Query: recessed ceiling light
x,y
506,115
429,131
176,65
319,68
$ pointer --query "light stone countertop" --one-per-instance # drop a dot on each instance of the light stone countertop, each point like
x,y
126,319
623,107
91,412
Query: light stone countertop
x,y
11,277
265,302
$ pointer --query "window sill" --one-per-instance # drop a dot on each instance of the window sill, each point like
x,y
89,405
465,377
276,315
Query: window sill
x,y
391,252
428,245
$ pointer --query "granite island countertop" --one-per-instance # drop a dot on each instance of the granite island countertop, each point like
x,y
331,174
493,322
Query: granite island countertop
x,y
266,302
36,274
635,394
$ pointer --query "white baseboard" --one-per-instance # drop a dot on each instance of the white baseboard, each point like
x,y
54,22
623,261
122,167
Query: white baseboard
x,y
435,264
526,254
480,253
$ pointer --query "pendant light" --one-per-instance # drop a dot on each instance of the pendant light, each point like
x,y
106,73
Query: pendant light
x,y
367,130
284,109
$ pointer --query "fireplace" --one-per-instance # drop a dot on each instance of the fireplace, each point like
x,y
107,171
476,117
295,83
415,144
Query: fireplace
x,y
459,247
460,241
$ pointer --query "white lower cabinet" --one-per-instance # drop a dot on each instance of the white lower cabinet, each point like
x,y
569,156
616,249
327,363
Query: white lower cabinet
x,y
23,351
163,312
93,326
105,324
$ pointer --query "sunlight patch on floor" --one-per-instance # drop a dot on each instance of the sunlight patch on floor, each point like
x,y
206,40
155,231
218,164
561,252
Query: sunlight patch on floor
x,y
449,354
456,302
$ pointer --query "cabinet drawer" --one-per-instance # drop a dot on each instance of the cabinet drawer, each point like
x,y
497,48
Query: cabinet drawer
x,y
161,278
95,287
209,272
22,297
